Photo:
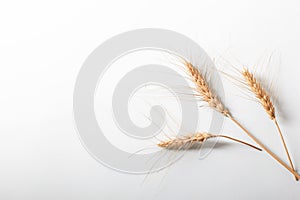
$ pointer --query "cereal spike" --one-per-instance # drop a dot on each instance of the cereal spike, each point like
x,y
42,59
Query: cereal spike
x,y
206,93
259,92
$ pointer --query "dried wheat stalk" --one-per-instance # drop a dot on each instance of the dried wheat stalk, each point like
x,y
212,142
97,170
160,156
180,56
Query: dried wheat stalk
x,y
264,98
207,94
197,138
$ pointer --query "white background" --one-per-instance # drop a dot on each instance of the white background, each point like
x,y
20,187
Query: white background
x,y
42,47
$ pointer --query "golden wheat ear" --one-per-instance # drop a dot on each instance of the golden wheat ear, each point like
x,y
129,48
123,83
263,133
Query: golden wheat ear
x,y
265,100
197,138
202,87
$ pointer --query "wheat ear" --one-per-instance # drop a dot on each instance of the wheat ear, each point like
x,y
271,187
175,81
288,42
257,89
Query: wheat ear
x,y
213,101
265,100
197,138
205,91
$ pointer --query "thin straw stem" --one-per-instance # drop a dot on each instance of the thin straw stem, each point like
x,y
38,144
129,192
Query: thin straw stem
x,y
285,147
264,147
240,141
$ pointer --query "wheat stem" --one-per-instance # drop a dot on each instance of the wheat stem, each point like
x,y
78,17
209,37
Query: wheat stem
x,y
264,147
240,141
285,146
